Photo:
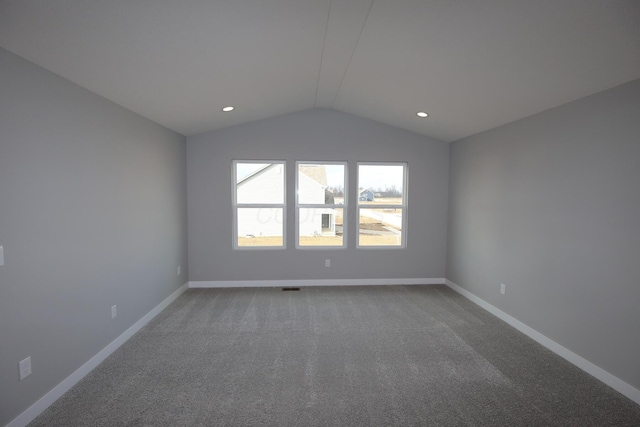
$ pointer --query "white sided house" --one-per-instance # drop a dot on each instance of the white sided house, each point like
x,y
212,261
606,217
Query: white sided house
x,y
266,186
312,190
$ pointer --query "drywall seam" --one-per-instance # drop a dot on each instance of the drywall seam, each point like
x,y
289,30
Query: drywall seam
x,y
47,400
582,363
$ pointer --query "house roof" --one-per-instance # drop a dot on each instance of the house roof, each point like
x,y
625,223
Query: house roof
x,y
472,65
317,173
255,173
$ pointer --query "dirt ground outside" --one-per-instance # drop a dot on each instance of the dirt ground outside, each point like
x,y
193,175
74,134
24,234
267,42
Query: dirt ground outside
x,y
365,240
381,201
366,223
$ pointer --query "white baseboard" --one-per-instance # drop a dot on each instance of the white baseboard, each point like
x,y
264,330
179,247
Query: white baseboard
x,y
582,363
319,282
48,399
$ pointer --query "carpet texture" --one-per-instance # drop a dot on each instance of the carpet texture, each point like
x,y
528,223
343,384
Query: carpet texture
x,y
335,356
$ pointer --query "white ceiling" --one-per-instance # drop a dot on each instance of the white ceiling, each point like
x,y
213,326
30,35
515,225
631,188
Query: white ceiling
x,y
471,64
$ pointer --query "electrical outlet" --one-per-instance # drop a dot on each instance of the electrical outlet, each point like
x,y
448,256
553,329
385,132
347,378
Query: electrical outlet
x,y
503,289
327,263
179,270
114,311
25,368
1,255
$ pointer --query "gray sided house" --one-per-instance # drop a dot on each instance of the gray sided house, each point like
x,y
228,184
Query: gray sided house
x,y
366,195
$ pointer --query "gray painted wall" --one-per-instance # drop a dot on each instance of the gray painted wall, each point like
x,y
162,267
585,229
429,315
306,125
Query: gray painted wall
x,y
550,206
321,135
92,213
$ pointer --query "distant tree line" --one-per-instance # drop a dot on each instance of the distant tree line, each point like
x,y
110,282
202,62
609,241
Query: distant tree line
x,y
337,190
390,191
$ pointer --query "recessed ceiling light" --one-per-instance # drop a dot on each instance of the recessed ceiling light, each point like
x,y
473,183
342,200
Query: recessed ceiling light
x,y
229,108
422,114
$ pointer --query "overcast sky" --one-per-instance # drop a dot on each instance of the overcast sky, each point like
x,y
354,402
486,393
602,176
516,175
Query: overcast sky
x,y
374,176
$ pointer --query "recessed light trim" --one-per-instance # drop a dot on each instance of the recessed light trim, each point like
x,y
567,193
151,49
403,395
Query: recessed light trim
x,y
229,108
422,114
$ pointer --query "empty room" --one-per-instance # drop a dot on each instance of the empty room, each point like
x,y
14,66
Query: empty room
x,y
320,213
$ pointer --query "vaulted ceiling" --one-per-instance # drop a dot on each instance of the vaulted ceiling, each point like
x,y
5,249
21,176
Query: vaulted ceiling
x,y
470,64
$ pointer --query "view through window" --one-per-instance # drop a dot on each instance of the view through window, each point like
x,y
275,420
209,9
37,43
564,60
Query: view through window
x,y
382,202
321,204
320,190
259,204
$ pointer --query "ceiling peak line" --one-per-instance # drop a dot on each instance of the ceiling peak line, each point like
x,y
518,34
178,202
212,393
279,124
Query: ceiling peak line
x,y
324,43
355,47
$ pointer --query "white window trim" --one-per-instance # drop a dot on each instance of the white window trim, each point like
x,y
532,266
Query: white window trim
x,y
343,206
403,206
237,205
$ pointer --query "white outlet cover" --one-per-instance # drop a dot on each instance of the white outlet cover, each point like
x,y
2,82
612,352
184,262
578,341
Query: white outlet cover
x,y
327,263
1,255
114,311
503,289
25,368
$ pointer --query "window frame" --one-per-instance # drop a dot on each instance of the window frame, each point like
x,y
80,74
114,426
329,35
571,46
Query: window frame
x,y
404,206
236,206
343,206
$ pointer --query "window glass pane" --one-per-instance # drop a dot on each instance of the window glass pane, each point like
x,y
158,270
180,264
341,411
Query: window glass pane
x,y
380,227
380,184
320,184
320,227
260,183
260,227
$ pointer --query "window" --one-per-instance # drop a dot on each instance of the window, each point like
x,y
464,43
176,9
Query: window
x,y
320,204
259,204
382,205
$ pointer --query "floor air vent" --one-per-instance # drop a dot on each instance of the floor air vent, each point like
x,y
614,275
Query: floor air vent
x,y
290,289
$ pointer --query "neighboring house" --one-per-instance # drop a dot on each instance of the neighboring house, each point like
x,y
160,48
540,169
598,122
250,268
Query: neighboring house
x,y
366,195
312,189
263,183
259,188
